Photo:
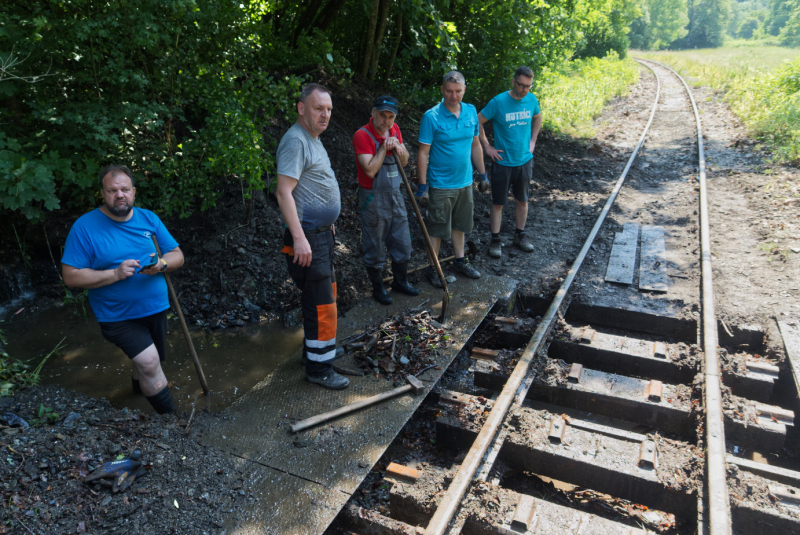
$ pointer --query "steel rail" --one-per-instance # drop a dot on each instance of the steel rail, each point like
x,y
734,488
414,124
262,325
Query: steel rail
x,y
718,501
514,389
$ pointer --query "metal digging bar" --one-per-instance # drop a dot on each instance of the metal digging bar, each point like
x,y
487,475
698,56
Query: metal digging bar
x,y
431,252
514,390
198,368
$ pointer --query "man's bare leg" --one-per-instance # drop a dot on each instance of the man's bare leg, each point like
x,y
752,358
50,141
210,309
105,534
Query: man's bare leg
x,y
496,218
521,213
152,380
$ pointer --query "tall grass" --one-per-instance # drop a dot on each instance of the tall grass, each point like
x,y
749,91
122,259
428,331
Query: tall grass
x,y
572,95
761,85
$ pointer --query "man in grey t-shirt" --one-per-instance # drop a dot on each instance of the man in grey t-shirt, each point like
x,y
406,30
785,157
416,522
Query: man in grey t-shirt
x,y
308,196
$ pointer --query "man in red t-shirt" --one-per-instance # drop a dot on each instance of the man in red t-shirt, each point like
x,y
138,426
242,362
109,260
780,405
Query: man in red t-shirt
x,y
384,220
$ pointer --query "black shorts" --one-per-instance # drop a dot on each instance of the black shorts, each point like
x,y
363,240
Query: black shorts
x,y
517,179
134,336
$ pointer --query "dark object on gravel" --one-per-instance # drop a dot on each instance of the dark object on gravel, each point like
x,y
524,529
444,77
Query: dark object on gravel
x,y
12,420
116,469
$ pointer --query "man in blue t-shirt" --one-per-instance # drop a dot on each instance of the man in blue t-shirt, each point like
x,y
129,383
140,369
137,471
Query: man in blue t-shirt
x,y
517,119
110,251
448,149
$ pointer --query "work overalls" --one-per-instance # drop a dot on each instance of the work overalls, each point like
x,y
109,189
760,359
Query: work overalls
x,y
384,219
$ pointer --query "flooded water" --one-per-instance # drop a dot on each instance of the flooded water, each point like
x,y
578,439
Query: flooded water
x,y
233,360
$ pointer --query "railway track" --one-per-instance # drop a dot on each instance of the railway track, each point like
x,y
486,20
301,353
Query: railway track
x,y
594,419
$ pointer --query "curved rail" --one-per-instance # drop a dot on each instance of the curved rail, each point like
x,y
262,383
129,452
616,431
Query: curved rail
x,y
717,489
514,389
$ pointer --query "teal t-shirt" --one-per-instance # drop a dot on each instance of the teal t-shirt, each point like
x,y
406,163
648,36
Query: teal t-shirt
x,y
450,138
98,242
512,120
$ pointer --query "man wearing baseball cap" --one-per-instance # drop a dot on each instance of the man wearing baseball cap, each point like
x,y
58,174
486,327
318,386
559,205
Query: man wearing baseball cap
x,y
384,219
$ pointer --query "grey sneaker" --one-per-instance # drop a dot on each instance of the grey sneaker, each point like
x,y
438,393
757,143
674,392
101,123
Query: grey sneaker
x,y
466,269
433,278
522,242
496,248
331,380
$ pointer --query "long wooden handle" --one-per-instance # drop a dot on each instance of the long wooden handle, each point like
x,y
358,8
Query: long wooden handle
x,y
431,251
185,328
330,415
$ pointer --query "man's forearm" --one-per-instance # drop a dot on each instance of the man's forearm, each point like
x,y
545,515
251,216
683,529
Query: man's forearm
x,y
375,163
422,167
483,139
537,125
88,278
174,259
477,157
289,211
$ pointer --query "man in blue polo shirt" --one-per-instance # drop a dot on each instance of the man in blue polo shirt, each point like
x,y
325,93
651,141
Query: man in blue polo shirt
x,y
448,149
517,119
110,251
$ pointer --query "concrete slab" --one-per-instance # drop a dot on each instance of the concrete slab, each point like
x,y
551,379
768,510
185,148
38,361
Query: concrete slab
x,y
790,332
623,255
622,354
337,456
653,263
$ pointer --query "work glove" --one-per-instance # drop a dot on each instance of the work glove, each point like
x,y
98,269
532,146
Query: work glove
x,y
422,194
115,469
483,183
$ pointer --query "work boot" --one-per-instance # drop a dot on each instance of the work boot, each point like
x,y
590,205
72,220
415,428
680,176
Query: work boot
x,y
496,248
522,242
434,279
331,380
400,282
378,291
462,265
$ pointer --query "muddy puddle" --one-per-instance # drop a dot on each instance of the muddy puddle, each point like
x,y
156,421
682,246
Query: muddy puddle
x,y
233,360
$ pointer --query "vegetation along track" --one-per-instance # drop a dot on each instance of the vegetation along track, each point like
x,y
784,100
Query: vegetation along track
x,y
604,409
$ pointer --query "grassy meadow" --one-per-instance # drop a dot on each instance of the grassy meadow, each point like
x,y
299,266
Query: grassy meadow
x,y
761,85
573,94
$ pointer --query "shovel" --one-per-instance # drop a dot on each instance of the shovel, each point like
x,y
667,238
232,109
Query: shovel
x,y
431,252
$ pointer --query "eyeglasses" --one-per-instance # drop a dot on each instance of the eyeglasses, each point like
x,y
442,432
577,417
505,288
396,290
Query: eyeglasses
x,y
523,86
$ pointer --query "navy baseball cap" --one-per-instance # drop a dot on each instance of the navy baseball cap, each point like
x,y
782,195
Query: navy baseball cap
x,y
386,103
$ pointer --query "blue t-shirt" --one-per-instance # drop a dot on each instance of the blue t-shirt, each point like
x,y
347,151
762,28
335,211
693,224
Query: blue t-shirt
x,y
450,138
513,120
98,242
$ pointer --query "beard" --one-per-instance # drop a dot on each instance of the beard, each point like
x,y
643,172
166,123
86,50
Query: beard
x,y
120,211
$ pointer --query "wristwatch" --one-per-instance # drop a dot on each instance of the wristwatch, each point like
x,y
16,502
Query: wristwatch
x,y
163,266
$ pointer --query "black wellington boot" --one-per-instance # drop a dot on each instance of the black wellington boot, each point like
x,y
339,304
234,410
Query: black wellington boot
x,y
378,291
400,282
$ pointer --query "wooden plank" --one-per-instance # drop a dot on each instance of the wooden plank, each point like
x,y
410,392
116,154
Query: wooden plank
x,y
622,262
790,332
653,262
405,473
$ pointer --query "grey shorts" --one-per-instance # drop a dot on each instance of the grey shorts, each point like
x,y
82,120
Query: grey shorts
x,y
449,210
517,179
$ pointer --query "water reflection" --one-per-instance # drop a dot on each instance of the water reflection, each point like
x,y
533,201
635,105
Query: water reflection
x,y
233,360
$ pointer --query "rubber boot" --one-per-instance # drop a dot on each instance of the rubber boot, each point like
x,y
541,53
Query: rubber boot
x,y
162,401
400,282
378,291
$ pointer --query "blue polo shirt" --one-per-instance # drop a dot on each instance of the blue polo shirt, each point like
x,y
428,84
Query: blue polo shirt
x,y
98,242
450,138
513,120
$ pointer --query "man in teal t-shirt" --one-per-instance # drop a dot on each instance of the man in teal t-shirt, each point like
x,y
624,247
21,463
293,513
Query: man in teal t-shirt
x,y
517,119
448,149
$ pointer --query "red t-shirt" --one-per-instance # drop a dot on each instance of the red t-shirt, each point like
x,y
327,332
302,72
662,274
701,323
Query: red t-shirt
x,y
363,144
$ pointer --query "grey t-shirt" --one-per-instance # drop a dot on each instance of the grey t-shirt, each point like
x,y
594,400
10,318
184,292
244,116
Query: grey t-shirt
x,y
302,157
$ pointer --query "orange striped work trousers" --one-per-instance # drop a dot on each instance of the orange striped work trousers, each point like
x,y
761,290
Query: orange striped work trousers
x,y
317,283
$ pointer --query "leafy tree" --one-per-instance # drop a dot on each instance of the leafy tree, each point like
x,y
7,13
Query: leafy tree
x,y
779,13
790,33
606,24
708,20
661,23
